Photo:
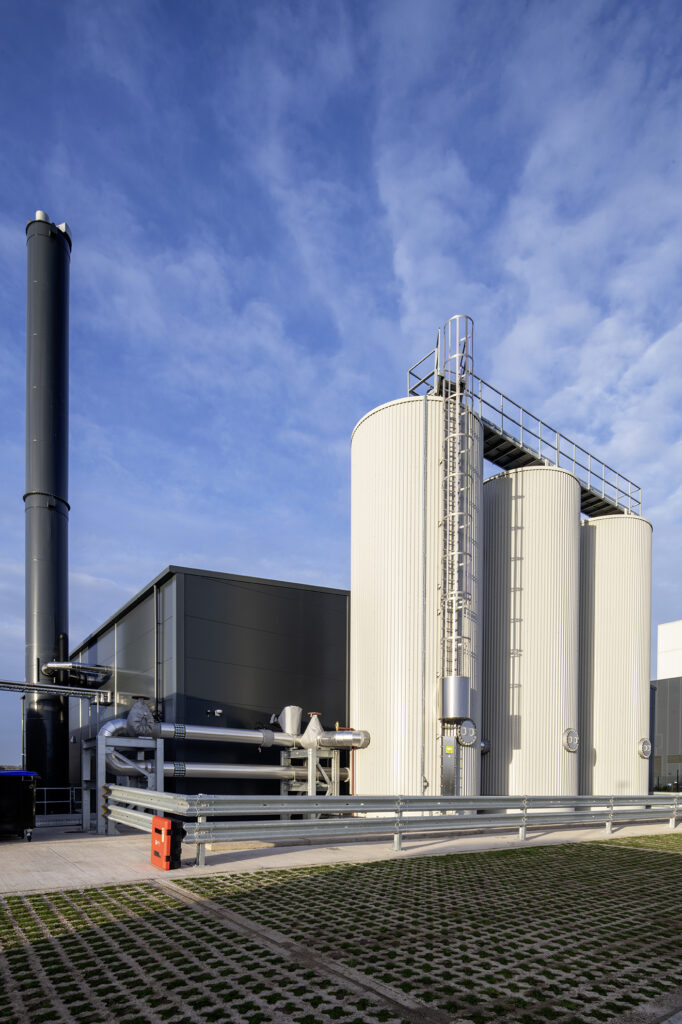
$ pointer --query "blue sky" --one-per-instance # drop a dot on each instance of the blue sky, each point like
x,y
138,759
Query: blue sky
x,y
275,205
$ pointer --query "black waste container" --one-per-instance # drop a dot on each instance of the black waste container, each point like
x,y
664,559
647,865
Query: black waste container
x,y
17,802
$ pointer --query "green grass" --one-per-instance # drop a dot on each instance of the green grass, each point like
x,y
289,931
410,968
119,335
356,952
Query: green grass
x,y
668,842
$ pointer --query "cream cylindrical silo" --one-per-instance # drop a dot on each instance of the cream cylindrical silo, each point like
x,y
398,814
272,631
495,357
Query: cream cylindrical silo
x,y
530,643
615,625
396,565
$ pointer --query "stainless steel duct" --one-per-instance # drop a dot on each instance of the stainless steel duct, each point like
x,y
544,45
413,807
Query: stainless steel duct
x,y
344,739
46,499
256,737
181,769
140,723
96,673
116,763
341,739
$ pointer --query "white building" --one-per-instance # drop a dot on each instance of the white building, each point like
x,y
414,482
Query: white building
x,y
669,657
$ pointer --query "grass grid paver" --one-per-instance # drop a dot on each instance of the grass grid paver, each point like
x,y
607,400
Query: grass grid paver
x,y
134,954
577,934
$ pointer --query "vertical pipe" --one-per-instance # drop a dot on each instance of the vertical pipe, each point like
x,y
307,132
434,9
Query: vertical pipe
x,y
116,666
157,645
46,498
23,730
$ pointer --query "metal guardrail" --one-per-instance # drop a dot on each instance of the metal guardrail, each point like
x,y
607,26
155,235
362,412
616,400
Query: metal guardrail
x,y
324,818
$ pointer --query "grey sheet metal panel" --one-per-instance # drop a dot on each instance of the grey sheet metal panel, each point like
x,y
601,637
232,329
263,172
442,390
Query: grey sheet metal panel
x,y
396,561
615,625
46,498
667,731
530,648
239,646
263,646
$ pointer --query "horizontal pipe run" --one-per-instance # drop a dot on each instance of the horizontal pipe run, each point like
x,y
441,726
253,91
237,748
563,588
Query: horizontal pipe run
x,y
341,739
94,672
213,733
184,770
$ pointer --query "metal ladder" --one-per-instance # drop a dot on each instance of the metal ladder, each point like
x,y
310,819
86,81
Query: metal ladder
x,y
455,361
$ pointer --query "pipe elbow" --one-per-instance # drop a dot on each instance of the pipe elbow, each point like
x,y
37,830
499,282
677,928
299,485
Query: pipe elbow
x,y
116,764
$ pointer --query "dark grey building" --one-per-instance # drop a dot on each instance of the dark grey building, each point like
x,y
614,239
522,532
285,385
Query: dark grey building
x,y
210,648
666,732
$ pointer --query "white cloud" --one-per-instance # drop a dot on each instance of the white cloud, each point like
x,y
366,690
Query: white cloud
x,y
272,215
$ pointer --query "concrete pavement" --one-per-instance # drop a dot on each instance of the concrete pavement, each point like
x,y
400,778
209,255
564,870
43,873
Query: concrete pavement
x,y
62,858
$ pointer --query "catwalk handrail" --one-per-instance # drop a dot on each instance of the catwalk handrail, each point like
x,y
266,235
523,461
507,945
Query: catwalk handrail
x,y
362,816
509,419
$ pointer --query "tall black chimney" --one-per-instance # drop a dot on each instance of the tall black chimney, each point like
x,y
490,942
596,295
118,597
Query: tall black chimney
x,y
46,500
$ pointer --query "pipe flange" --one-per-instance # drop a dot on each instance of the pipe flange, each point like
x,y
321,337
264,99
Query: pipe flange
x,y
466,733
571,740
644,748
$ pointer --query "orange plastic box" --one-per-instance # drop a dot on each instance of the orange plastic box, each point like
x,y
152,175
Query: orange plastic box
x,y
161,843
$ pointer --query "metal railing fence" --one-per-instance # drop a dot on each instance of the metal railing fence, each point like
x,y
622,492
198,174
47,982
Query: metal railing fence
x,y
532,434
58,805
510,420
236,818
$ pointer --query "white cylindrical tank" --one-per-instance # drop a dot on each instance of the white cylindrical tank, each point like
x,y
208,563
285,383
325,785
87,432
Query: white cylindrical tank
x,y
396,553
615,625
530,642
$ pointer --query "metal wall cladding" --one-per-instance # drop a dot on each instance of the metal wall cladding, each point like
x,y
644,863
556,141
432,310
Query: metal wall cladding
x,y
530,644
395,575
236,645
615,624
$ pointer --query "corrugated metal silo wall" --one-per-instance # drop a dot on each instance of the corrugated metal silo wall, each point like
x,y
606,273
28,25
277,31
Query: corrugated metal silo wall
x,y
615,625
395,465
530,641
470,784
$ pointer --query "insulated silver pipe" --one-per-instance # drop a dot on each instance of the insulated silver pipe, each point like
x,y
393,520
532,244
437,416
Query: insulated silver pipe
x,y
342,739
181,769
177,731
118,765
74,668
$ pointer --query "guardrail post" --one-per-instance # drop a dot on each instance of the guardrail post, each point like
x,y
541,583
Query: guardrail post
x,y
673,820
608,824
100,782
522,826
201,846
397,835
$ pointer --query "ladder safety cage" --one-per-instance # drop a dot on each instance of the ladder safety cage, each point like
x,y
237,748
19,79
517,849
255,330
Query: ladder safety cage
x,y
455,369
